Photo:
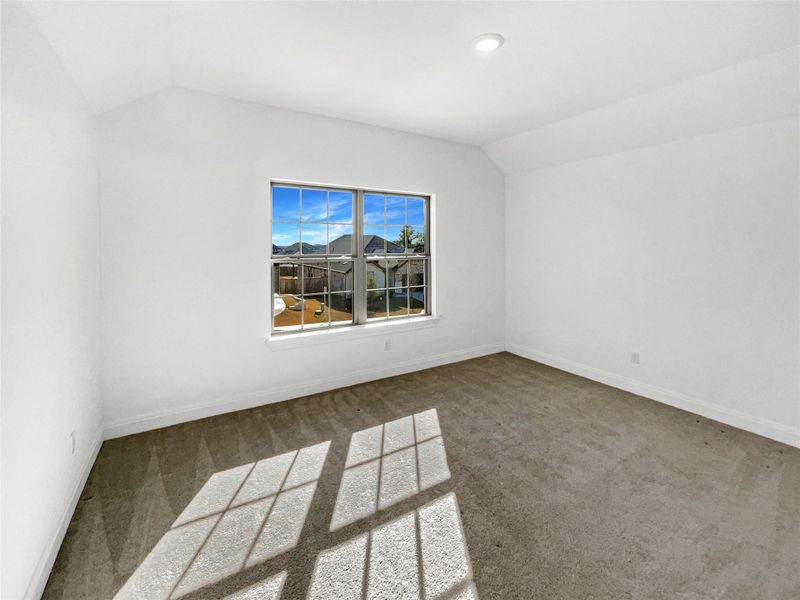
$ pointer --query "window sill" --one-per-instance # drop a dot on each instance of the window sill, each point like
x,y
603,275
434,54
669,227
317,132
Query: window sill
x,y
347,333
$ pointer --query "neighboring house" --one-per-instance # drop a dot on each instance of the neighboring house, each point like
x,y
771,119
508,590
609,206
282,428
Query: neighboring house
x,y
373,244
287,278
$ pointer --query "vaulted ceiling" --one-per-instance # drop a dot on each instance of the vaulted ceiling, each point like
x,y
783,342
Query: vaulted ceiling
x,y
409,65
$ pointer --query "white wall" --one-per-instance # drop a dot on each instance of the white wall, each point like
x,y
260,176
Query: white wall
x,y
184,190
685,251
50,302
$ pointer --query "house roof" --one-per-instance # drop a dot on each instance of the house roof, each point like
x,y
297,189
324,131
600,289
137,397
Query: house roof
x,y
373,244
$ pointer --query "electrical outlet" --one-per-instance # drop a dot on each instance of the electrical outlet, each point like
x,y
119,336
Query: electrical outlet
x,y
72,442
387,345
635,358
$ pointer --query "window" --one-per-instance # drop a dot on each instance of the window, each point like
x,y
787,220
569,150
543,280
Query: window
x,y
345,256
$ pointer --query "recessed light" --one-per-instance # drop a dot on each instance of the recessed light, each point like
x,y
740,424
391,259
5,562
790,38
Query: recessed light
x,y
488,42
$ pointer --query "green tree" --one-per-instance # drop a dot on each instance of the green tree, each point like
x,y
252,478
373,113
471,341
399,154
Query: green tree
x,y
409,238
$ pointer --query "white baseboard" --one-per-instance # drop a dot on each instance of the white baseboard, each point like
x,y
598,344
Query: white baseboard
x,y
166,418
46,561
734,418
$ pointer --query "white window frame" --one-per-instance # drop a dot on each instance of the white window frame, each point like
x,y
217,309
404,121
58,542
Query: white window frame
x,y
360,323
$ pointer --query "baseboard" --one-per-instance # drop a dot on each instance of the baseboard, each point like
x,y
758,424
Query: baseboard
x,y
734,418
166,418
46,561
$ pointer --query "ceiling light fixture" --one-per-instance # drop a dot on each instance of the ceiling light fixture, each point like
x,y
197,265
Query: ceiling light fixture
x,y
488,42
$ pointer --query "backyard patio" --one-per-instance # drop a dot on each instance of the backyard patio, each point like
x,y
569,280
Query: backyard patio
x,y
314,311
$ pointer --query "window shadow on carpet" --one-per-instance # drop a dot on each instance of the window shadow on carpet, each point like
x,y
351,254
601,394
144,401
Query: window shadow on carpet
x,y
248,515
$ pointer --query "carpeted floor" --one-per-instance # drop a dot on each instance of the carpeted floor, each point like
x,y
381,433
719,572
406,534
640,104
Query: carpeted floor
x,y
566,489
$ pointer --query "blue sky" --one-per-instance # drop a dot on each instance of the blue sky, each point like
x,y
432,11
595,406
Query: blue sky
x,y
392,210
383,215
316,204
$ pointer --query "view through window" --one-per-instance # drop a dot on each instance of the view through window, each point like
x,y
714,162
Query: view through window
x,y
347,256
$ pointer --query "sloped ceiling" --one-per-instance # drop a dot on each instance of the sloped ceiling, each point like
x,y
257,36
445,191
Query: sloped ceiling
x,y
750,92
408,65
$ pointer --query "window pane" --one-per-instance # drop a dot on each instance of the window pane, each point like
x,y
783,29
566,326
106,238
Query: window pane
x,y
398,303
286,278
341,276
341,307
315,239
374,242
394,240
285,204
340,207
415,239
376,304
285,238
396,273
315,311
315,277
416,212
376,274
395,210
315,205
373,208
403,237
417,300
286,320
286,295
416,272
341,239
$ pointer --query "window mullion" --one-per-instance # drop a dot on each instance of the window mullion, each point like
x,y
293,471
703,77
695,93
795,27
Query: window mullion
x,y
302,286
360,271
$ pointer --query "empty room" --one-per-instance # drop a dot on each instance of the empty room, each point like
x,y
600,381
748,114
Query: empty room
x,y
400,300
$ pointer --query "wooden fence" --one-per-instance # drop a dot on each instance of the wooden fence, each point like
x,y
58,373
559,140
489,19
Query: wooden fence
x,y
291,285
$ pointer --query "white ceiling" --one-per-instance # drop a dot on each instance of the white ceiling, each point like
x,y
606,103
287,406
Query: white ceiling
x,y
409,65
